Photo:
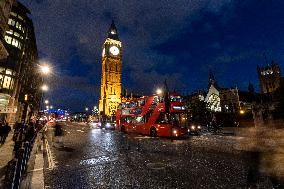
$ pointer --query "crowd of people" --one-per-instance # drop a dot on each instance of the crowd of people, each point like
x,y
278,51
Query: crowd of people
x,y
25,133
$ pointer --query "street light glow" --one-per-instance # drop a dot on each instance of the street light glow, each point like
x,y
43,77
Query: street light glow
x,y
44,88
159,91
242,111
45,69
46,101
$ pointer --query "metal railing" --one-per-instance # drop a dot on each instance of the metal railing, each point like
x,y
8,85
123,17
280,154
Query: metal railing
x,y
18,166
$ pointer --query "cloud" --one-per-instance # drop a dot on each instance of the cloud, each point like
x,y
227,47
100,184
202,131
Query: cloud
x,y
237,57
66,91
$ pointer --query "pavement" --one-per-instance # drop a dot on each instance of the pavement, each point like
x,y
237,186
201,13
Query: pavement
x,y
98,158
6,154
33,179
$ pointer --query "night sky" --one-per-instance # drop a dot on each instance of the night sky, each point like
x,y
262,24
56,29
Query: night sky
x,y
162,39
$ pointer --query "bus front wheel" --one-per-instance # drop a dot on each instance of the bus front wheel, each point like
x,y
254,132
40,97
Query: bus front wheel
x,y
153,132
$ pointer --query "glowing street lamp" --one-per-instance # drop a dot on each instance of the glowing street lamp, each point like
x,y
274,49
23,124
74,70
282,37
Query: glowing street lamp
x,y
45,69
44,88
87,109
46,101
51,107
242,111
159,91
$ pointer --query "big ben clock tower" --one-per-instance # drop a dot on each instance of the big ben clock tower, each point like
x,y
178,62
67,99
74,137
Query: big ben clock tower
x,y
111,73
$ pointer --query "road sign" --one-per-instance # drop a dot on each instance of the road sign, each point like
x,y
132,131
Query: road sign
x,y
8,109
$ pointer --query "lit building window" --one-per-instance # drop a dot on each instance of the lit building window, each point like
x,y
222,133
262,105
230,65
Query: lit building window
x,y
11,22
6,79
20,17
9,32
8,39
16,34
13,14
15,42
19,26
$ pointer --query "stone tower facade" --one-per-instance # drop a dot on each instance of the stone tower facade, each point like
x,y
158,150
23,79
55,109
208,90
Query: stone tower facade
x,y
269,77
110,95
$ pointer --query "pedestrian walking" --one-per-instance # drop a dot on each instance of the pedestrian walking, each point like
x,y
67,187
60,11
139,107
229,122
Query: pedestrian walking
x,y
18,139
58,133
5,130
30,131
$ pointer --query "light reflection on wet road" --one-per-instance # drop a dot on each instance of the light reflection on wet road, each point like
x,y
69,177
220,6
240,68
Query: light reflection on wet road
x,y
95,158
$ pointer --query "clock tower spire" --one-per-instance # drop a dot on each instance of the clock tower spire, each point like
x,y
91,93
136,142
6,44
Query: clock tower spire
x,y
110,95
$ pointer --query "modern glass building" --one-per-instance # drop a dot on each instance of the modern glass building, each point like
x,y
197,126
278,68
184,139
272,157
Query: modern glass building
x,y
5,7
19,79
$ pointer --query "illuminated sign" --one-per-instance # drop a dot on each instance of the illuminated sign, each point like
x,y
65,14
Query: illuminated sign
x,y
178,107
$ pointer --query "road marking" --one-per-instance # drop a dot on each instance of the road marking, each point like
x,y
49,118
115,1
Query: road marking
x,y
39,169
156,166
49,156
143,137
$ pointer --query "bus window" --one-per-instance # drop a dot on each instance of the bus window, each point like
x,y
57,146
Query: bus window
x,y
162,119
160,99
141,102
178,120
126,120
175,99
139,119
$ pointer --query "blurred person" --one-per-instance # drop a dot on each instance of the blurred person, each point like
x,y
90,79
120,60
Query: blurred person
x,y
5,131
30,132
58,133
19,139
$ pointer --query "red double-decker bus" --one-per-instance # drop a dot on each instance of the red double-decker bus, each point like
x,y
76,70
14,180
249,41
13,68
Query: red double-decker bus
x,y
153,115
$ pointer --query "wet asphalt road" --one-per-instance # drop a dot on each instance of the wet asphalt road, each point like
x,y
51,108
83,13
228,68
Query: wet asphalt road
x,y
95,158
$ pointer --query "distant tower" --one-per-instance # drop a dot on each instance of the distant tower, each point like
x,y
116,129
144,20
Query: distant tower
x,y
111,73
251,88
211,79
269,77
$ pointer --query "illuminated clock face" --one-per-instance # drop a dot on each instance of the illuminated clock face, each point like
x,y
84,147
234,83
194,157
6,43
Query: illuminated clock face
x,y
114,50
104,51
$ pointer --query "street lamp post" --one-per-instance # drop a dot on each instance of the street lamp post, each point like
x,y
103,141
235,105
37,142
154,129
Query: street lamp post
x,y
45,70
